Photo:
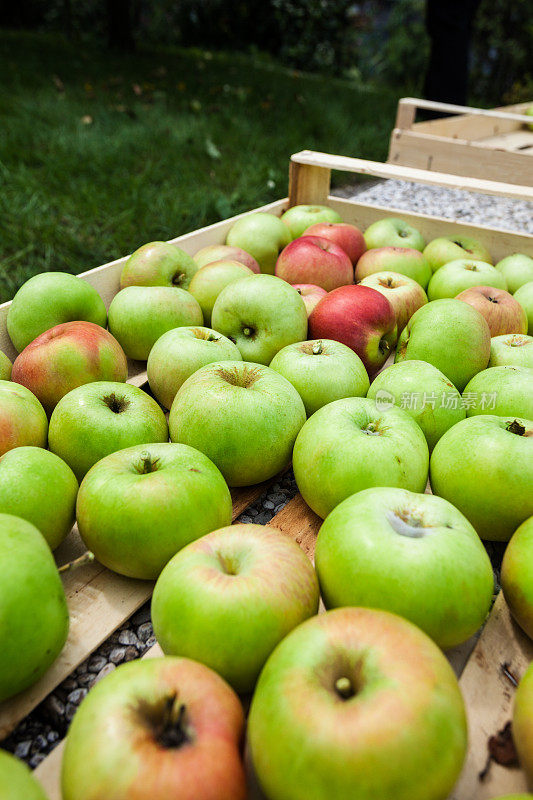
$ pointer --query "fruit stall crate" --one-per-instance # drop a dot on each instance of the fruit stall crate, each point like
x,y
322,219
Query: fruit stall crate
x,y
496,144
100,601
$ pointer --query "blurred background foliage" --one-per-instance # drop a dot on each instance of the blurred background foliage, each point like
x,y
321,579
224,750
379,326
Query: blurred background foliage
x,y
382,41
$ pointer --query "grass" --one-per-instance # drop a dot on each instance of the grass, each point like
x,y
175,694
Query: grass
x,y
101,152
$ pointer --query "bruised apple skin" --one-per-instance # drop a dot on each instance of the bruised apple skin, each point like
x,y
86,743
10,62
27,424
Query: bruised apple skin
x,y
153,730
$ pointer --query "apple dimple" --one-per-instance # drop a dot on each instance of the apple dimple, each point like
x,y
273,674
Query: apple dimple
x,y
146,464
116,404
471,267
167,721
517,428
245,379
407,524
178,278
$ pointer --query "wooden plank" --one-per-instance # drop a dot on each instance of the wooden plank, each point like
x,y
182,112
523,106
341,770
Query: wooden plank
x,y
377,170
514,141
477,123
308,184
99,601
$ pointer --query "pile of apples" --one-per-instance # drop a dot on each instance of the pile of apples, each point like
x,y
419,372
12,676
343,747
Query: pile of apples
x,y
269,349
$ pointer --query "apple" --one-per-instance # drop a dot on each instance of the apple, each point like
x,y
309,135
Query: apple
x,y
449,334
311,295
359,317
450,248
99,418
512,349
211,279
404,294
34,608
524,295
517,576
299,218
515,797
393,232
156,729
136,508
403,260
384,538
502,391
342,234
39,487
529,112
262,235
523,722
310,259
503,313
349,445
158,264
223,252
357,703
484,466
22,418
245,417
48,299
261,315
423,392
517,270
322,371
456,276
139,315
16,780
5,367
68,356
227,599
179,353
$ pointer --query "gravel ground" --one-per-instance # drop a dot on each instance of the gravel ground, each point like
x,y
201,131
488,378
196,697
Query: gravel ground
x,y
34,738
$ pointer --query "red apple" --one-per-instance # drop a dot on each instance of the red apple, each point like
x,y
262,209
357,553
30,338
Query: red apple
x,y
404,294
311,259
311,294
67,356
503,313
344,235
359,317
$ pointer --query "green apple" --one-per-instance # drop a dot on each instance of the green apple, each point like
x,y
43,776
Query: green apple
x,y
484,466
457,276
299,218
211,279
16,780
99,418
523,723
449,334
515,797
34,608
399,260
349,445
39,487
261,314
450,248
22,418
321,371
136,508
502,391
424,392
158,264
262,235
517,270
227,599
513,349
413,554
393,232
156,729
179,353
48,299
139,315
404,294
245,417
529,113
222,252
357,703
524,295
5,367
517,576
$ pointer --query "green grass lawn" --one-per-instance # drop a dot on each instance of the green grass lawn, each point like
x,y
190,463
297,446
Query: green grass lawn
x,y
101,152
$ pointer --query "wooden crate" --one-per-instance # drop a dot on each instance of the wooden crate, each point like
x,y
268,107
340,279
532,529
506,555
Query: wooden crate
x,y
483,143
101,601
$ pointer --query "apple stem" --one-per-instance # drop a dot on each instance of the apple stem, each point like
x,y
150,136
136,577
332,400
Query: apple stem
x,y
86,558
247,331
317,348
344,688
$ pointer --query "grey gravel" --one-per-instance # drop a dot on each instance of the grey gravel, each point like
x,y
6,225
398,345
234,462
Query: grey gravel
x,y
36,736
